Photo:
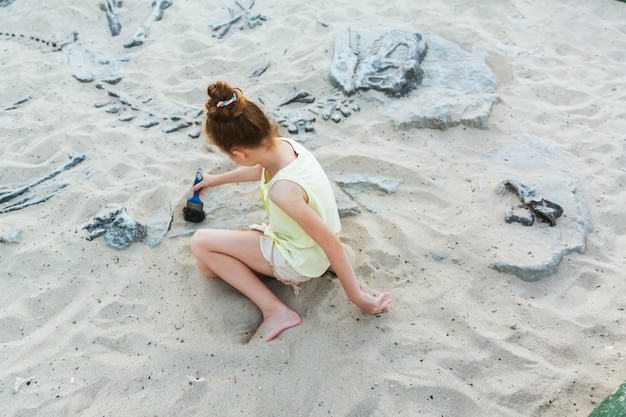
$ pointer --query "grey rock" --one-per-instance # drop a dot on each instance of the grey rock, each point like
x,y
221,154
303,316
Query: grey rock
x,y
362,187
533,253
121,230
436,256
14,236
126,118
355,183
457,88
176,127
149,124
346,206
530,273
118,228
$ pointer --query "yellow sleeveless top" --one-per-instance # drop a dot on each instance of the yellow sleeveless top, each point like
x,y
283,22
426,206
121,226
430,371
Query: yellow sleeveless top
x,y
303,254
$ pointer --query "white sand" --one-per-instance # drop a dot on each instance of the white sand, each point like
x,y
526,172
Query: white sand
x,y
106,332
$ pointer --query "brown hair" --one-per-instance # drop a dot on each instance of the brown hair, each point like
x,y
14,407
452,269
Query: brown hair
x,y
237,124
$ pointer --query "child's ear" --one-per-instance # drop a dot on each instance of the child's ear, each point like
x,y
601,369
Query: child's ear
x,y
238,153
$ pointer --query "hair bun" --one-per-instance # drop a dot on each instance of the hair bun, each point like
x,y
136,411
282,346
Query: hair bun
x,y
219,106
235,123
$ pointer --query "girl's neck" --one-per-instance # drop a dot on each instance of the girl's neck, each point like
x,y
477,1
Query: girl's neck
x,y
276,157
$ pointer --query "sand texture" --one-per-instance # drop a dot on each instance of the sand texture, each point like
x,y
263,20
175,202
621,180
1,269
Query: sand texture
x,y
90,330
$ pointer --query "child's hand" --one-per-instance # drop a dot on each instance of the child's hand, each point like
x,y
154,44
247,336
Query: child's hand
x,y
208,180
373,305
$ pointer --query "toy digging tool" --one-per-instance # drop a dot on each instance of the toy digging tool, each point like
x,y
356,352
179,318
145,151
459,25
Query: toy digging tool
x,y
193,212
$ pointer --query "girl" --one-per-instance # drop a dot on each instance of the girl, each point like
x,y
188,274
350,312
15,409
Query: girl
x,y
301,241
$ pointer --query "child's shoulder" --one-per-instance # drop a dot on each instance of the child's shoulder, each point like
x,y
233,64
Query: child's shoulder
x,y
297,146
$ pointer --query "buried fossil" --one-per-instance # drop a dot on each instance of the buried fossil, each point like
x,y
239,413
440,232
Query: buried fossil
x,y
110,8
27,194
536,206
301,119
434,83
86,67
252,20
120,230
390,65
158,9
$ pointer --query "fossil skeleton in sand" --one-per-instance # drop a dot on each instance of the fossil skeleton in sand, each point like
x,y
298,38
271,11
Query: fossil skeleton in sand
x,y
544,210
391,65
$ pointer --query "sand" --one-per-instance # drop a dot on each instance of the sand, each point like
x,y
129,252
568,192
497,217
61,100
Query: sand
x,y
91,330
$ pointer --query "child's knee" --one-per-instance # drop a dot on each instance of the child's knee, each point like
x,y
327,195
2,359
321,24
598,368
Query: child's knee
x,y
199,242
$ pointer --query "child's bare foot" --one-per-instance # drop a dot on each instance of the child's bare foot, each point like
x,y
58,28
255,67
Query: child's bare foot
x,y
273,324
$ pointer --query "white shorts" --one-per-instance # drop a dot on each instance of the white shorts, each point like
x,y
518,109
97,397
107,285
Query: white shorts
x,y
282,270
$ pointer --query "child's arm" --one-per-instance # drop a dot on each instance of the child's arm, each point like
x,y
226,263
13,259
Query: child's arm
x,y
241,174
291,198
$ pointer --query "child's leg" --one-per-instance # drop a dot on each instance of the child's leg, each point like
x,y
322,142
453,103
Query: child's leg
x,y
233,256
